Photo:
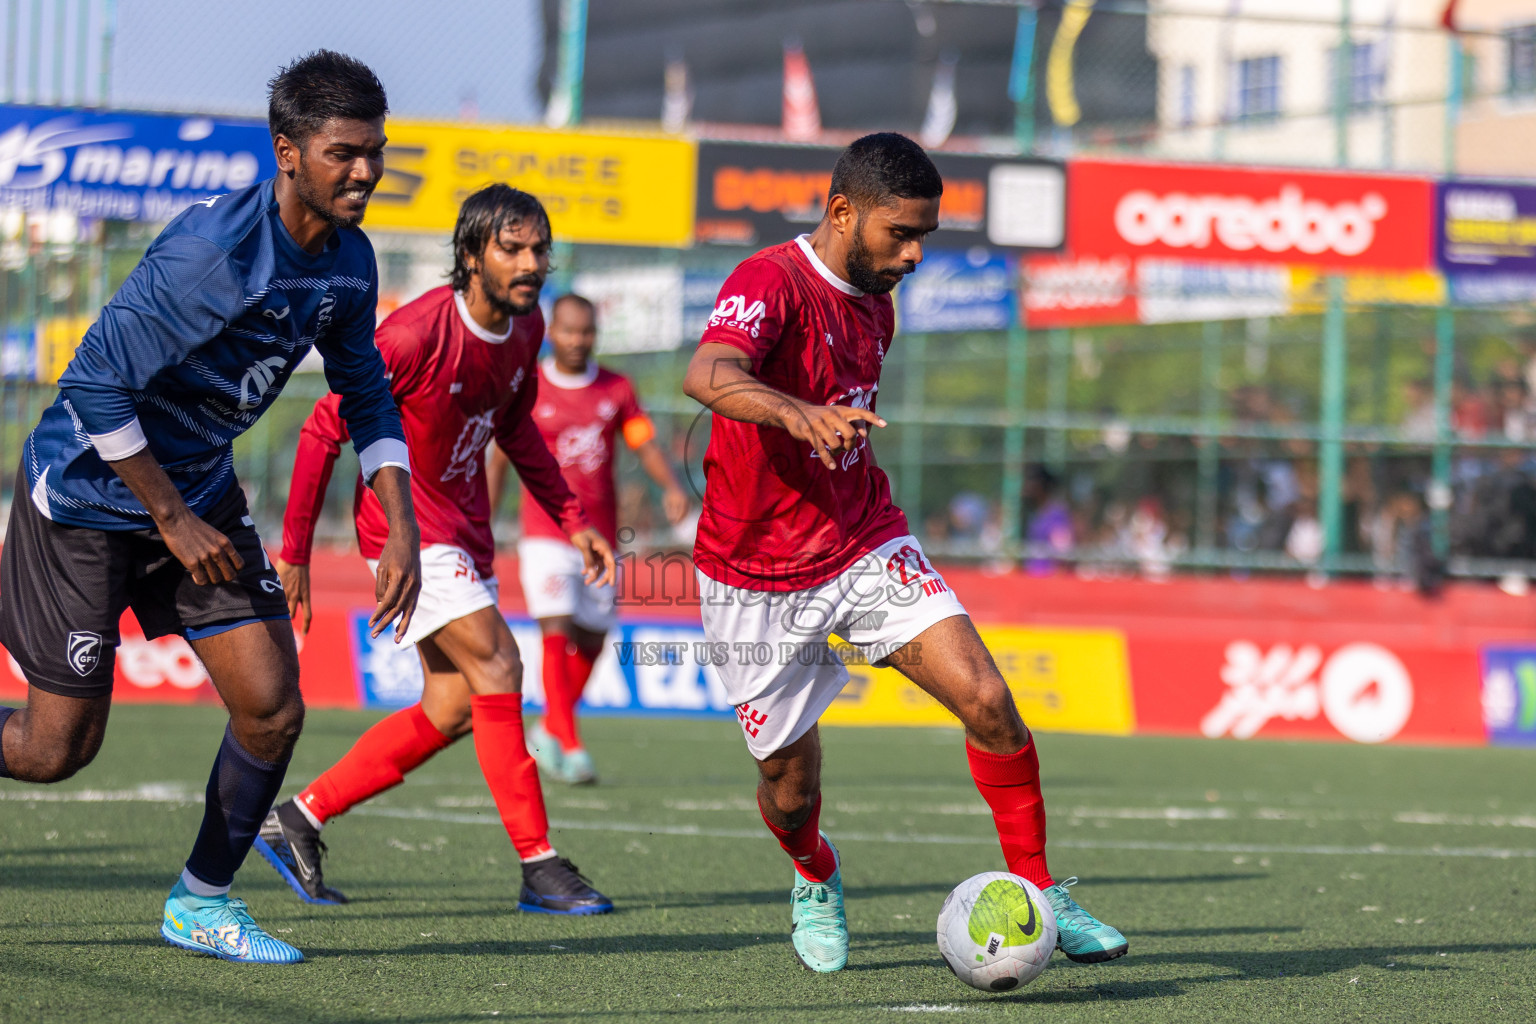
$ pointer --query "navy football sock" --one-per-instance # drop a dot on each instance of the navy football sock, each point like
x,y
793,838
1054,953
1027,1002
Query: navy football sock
x,y
241,790
4,714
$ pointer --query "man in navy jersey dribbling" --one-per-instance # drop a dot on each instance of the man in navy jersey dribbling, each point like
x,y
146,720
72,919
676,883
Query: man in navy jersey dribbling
x,y
127,496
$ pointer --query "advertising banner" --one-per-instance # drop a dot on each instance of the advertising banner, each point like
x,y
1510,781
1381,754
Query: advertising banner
x,y
958,291
639,309
1078,291
758,195
113,165
647,668
1063,680
1509,694
599,188
1485,228
1363,691
1224,214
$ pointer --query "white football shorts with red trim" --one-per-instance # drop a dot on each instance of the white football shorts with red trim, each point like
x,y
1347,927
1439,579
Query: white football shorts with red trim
x,y
779,672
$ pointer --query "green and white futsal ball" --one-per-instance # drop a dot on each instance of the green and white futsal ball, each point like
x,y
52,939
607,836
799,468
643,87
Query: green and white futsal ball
x,y
996,931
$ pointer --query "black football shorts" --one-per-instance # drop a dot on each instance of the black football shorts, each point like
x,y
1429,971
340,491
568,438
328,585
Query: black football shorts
x,y
63,590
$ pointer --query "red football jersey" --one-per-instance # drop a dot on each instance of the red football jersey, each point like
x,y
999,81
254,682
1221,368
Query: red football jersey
x,y
457,386
578,416
774,517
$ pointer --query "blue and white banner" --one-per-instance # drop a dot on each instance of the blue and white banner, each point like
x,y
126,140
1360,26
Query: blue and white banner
x,y
958,291
108,165
1509,694
654,668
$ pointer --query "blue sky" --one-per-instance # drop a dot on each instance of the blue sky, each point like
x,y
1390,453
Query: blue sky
x,y
216,57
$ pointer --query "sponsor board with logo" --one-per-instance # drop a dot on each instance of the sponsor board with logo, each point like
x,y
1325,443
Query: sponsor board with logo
x,y
600,188
1076,291
1509,694
1359,690
114,165
1225,214
165,670
757,195
958,291
1064,680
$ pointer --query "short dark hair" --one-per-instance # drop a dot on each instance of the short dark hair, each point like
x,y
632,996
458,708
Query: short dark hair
x,y
318,87
881,168
484,216
573,299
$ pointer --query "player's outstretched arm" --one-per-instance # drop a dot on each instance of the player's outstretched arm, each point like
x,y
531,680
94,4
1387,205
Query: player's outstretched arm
x,y
398,580
674,502
320,441
596,556
719,377
208,555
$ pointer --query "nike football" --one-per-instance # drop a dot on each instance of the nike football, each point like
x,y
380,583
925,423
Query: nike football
x,y
996,931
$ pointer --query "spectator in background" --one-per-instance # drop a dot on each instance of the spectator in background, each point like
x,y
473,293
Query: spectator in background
x,y
1418,424
1049,518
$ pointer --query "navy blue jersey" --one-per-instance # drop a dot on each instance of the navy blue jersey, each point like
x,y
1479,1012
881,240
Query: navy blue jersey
x,y
193,348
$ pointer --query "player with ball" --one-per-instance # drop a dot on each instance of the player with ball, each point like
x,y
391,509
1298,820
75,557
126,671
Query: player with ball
x,y
799,538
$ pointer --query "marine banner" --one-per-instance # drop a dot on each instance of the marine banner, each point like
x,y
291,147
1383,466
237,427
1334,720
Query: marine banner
x,y
599,188
115,165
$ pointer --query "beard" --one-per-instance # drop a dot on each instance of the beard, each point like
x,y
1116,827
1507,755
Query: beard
x,y
501,298
313,196
862,272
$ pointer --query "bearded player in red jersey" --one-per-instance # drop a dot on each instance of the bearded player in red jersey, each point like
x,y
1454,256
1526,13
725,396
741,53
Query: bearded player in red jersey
x,y
462,366
582,407
799,537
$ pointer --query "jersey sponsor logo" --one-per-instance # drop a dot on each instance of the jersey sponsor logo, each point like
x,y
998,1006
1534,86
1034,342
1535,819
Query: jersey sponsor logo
x,y
258,379
517,379
584,448
84,651
606,408
325,314
735,311
1363,690
470,446
277,314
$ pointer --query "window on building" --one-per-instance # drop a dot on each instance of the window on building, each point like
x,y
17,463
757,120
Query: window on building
x,y
1258,88
1367,86
1520,52
1186,96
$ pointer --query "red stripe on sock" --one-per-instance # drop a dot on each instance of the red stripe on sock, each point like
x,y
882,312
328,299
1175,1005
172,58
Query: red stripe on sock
x,y
559,722
379,760
813,858
509,770
1010,784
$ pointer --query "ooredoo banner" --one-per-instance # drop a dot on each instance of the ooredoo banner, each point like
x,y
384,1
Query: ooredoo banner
x,y
1223,214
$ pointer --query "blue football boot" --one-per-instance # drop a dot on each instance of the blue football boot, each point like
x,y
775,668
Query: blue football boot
x,y
818,926
1083,937
221,927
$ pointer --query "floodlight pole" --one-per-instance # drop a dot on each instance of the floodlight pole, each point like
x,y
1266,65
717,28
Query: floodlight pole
x,y
573,55
1342,87
1015,378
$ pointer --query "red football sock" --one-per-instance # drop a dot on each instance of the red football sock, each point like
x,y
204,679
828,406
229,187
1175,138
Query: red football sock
x,y
813,858
559,722
509,770
379,760
1010,784
578,669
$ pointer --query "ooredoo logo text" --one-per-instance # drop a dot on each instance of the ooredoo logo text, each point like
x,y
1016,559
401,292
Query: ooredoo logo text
x,y
1289,221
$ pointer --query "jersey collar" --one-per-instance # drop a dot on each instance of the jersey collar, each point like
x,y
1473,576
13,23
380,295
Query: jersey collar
x,y
832,279
474,328
568,381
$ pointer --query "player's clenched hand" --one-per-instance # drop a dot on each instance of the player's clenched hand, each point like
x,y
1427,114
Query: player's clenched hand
x,y
397,584
209,556
597,556
295,580
829,429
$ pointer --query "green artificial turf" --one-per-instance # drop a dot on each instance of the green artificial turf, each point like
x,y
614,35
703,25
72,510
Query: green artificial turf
x,y
1256,882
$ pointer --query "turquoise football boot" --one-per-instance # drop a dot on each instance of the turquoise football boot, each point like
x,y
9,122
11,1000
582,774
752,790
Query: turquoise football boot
x,y
576,767
221,927
545,750
818,926
1083,937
